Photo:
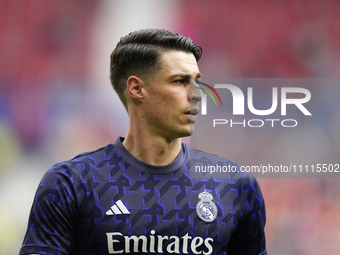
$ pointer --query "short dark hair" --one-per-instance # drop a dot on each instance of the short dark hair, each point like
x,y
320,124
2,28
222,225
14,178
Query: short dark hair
x,y
138,53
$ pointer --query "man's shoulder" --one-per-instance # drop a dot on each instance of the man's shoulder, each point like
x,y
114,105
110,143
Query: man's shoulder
x,y
86,160
198,154
95,155
82,168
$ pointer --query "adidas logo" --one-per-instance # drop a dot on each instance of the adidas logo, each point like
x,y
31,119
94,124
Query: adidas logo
x,y
118,208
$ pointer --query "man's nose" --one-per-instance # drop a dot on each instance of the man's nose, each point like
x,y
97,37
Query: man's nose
x,y
195,92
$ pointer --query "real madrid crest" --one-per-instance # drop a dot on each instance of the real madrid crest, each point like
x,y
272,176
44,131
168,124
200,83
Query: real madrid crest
x,y
206,208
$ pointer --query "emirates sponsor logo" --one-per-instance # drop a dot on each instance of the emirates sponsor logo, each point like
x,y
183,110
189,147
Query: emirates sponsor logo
x,y
118,243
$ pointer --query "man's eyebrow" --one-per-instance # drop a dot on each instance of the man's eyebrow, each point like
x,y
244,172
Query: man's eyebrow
x,y
185,76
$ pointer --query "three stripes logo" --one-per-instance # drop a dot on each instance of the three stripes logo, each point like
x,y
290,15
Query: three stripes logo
x,y
204,97
118,208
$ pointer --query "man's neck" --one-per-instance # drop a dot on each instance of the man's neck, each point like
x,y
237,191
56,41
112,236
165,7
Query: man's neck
x,y
152,150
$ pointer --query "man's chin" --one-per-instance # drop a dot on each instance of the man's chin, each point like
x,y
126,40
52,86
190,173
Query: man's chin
x,y
192,128
190,132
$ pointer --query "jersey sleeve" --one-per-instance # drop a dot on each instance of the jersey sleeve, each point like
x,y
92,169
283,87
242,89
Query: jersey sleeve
x,y
249,238
50,227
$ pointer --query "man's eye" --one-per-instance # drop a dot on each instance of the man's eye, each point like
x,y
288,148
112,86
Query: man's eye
x,y
182,81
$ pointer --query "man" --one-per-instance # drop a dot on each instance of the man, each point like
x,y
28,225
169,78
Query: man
x,y
137,195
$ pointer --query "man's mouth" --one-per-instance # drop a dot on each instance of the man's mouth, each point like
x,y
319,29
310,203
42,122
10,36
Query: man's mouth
x,y
192,112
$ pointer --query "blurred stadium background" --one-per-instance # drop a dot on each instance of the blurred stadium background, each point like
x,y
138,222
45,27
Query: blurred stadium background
x,y
56,99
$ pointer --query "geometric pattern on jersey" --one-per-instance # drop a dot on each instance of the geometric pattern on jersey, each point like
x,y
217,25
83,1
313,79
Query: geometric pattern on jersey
x,y
108,202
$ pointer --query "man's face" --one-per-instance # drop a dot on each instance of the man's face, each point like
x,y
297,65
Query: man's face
x,y
172,96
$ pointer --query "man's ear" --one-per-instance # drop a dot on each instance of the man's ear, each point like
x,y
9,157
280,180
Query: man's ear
x,y
135,87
